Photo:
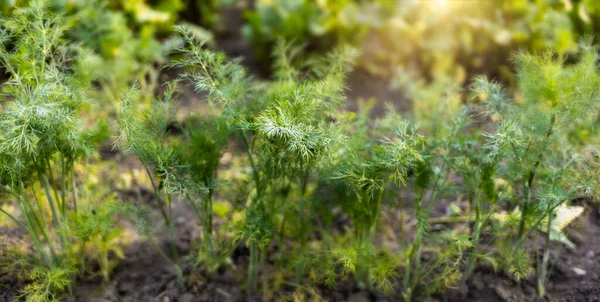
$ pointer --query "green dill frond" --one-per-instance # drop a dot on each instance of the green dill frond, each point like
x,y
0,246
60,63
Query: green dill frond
x,y
46,283
225,81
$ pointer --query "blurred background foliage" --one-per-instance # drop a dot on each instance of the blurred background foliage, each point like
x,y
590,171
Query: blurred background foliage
x,y
423,38
427,50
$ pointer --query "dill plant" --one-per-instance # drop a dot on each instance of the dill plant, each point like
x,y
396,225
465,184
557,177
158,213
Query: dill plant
x,y
287,127
526,157
523,153
145,133
559,98
41,143
179,166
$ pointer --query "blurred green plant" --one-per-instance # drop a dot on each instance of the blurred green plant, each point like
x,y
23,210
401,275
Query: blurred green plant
x,y
318,25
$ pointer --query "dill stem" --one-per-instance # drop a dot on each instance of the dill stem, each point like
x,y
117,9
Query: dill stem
x,y
210,209
373,226
408,267
63,189
104,262
51,183
208,223
51,201
253,166
207,233
475,238
13,218
28,211
531,175
171,228
281,238
73,189
402,234
414,258
303,232
178,271
41,221
254,251
543,271
252,269
156,194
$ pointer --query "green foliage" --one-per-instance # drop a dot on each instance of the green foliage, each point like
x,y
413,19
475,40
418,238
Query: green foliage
x,y
302,22
42,142
286,125
370,164
330,264
46,283
319,193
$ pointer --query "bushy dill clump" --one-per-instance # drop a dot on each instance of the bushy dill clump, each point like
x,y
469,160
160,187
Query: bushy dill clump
x,y
287,126
525,154
42,140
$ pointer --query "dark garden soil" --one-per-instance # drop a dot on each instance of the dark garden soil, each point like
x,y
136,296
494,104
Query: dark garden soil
x,y
145,276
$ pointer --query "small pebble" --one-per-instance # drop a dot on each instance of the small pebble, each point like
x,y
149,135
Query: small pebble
x,y
590,254
578,271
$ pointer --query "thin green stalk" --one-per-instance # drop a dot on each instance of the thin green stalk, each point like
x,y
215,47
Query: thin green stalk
x,y
53,186
178,271
41,222
40,207
168,219
104,263
254,251
73,189
13,218
413,261
253,269
401,232
209,245
303,184
408,267
51,201
253,166
63,189
524,209
531,175
208,224
156,193
475,239
543,270
210,210
171,227
25,206
375,221
38,219
282,239
521,240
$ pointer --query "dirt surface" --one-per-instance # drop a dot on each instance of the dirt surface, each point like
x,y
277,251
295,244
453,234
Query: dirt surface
x,y
143,275
575,274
